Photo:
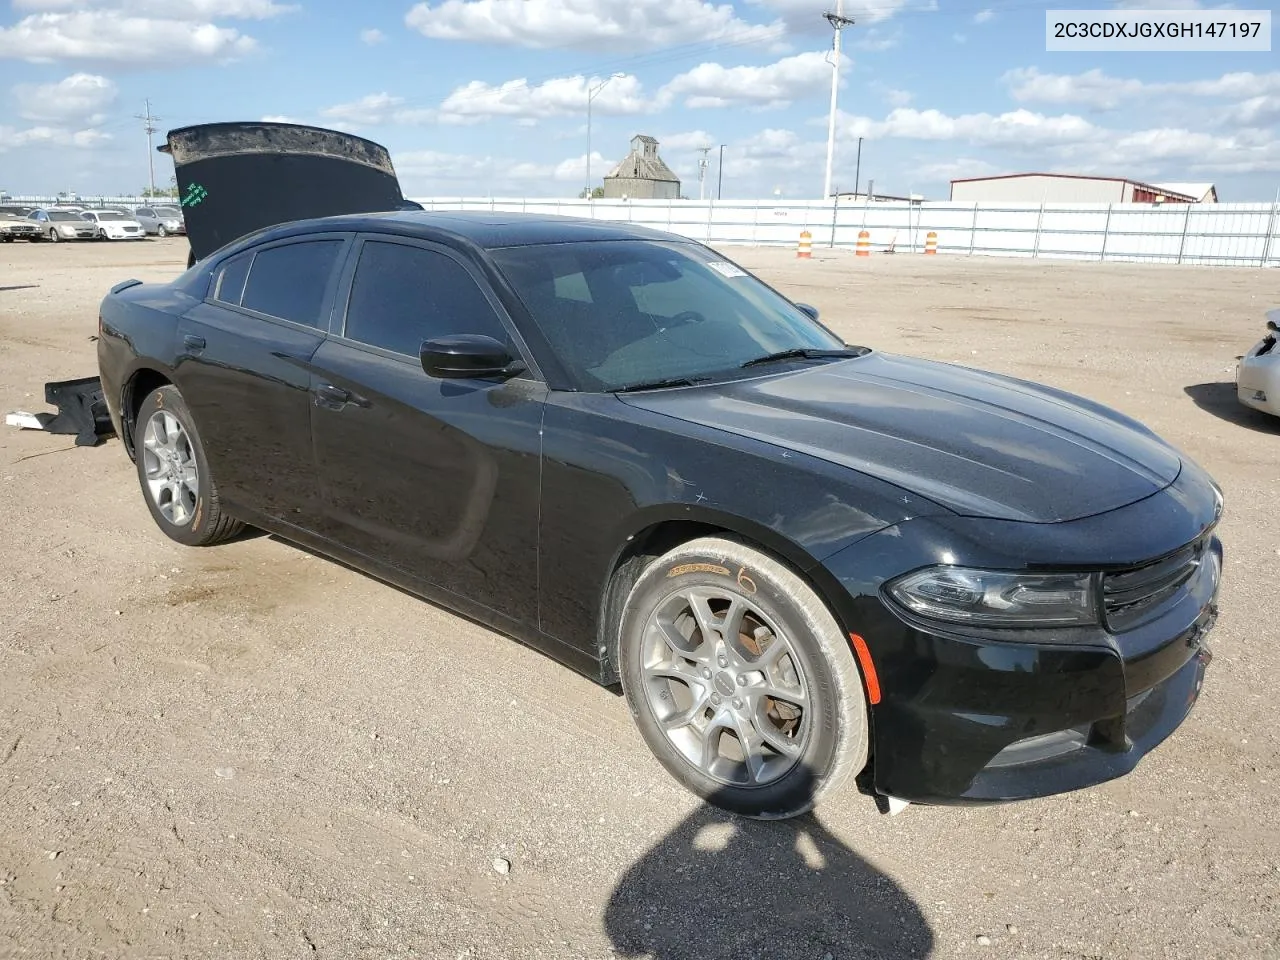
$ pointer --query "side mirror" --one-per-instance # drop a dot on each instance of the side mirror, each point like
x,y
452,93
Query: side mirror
x,y
468,355
809,309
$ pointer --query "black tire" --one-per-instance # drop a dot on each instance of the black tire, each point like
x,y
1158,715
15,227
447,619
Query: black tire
x,y
833,750
161,232
202,521
53,236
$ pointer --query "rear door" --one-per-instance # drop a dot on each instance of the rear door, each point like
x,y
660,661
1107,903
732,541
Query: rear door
x,y
437,478
244,371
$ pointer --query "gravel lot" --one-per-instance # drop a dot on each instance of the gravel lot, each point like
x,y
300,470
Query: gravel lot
x,y
250,752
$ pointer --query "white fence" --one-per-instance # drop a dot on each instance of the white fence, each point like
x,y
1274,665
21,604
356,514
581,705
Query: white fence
x,y
1235,234
1239,234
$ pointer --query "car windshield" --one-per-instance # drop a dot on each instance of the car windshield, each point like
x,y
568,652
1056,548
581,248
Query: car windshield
x,y
111,215
622,313
168,213
64,215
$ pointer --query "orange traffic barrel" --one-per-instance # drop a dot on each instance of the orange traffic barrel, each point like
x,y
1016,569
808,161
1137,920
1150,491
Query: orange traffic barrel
x,y
931,242
864,243
804,249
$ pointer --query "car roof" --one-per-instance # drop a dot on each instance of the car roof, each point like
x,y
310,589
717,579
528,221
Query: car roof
x,y
483,229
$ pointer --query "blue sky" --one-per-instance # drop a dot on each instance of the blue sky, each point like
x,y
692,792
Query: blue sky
x,y
488,97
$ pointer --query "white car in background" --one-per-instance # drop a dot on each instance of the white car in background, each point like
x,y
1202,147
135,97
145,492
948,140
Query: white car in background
x,y
1258,373
114,225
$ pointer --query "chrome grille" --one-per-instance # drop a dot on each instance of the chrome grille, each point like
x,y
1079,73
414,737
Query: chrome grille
x,y
1131,596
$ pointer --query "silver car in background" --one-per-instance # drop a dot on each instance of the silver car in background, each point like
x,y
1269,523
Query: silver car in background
x,y
160,220
58,225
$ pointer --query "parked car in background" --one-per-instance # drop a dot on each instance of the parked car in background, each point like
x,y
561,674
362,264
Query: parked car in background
x,y
1258,373
160,220
23,210
14,227
114,225
58,225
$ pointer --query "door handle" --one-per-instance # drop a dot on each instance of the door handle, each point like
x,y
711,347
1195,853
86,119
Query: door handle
x,y
327,395
192,342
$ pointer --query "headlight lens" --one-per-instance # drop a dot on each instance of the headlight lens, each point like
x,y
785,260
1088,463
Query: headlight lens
x,y
997,598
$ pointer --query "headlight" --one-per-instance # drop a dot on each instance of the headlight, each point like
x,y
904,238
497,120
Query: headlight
x,y
997,598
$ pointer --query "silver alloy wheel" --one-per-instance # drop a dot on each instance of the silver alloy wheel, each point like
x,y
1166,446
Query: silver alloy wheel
x,y
161,231
725,686
173,478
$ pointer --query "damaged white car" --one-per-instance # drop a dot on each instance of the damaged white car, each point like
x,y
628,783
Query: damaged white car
x,y
1258,373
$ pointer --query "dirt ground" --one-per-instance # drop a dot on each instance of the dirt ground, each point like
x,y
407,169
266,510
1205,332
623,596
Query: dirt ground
x,y
249,752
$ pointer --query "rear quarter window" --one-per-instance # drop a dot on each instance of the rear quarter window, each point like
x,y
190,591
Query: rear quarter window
x,y
228,284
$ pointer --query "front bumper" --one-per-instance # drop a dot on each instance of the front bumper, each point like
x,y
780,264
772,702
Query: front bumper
x,y
966,717
119,233
1258,378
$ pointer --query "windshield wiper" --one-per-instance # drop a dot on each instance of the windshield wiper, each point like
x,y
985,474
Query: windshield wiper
x,y
806,353
659,384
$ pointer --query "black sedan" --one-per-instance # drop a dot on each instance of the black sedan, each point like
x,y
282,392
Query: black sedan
x,y
802,560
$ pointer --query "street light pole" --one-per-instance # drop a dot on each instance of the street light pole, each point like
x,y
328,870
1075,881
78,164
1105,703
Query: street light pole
x,y
857,170
720,173
591,95
838,22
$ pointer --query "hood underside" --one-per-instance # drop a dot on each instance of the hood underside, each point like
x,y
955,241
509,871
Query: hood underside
x,y
977,443
235,178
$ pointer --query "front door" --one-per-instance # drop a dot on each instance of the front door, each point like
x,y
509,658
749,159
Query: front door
x,y
243,368
437,478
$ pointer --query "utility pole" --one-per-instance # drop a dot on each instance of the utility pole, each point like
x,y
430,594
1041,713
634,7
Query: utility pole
x,y
720,173
838,22
591,95
857,170
703,162
151,154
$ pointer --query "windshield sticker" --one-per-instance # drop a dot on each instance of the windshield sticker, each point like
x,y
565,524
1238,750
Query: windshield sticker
x,y
727,269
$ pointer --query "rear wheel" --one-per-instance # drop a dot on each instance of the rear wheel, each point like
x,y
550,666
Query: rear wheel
x,y
174,474
741,681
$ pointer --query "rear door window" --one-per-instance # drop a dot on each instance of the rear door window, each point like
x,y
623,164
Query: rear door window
x,y
290,281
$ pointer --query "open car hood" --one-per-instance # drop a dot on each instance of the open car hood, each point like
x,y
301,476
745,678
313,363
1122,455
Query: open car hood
x,y
235,178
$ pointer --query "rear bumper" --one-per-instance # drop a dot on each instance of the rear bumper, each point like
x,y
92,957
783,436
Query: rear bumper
x,y
1258,380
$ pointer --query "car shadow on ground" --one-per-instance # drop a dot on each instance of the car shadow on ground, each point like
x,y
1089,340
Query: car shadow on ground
x,y
1220,400
21,286
726,886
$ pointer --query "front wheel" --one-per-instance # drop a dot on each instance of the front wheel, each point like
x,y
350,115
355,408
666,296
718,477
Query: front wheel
x,y
53,236
176,481
741,681
161,232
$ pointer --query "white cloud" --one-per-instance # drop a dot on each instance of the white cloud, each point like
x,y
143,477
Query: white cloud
x,y
1098,89
898,98
1017,128
874,40
562,96
772,85
424,172
108,36
956,169
281,118
590,24
982,16
685,142
12,138
167,9
375,110
78,98
372,36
